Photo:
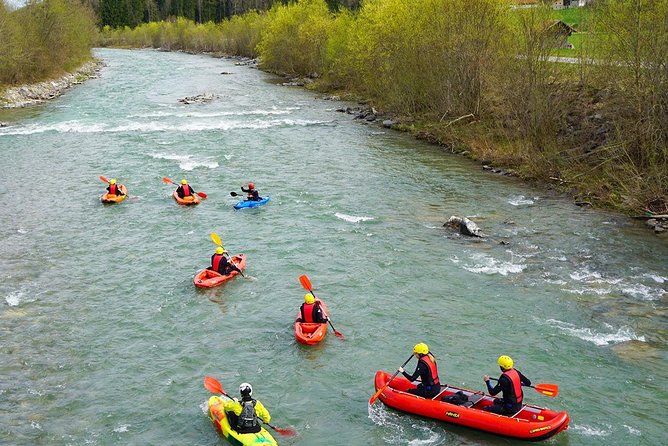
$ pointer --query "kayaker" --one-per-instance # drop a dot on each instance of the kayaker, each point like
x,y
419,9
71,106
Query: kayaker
x,y
311,311
426,370
113,189
253,194
184,190
244,416
510,383
220,262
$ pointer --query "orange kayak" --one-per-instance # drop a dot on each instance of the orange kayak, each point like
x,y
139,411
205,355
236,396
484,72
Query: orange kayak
x,y
186,201
111,198
207,278
530,423
310,333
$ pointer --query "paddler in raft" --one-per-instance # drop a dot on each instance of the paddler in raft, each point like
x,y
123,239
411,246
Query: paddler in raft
x,y
184,190
243,415
113,189
253,194
426,370
510,383
220,262
311,311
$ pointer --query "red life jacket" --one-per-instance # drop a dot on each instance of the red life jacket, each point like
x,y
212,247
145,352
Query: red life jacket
x,y
307,312
430,362
186,190
517,387
215,261
113,189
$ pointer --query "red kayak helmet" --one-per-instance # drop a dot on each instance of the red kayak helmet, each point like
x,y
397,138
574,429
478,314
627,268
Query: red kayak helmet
x,y
251,185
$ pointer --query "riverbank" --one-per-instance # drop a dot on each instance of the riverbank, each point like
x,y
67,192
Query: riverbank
x,y
38,93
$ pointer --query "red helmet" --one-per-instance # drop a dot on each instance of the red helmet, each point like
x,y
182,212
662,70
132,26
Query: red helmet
x,y
251,185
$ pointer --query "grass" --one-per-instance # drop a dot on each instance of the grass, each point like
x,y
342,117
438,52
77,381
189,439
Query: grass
x,y
573,16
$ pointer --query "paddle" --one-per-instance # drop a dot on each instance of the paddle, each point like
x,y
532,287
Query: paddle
x,y
216,239
306,283
234,194
168,181
213,385
550,390
377,394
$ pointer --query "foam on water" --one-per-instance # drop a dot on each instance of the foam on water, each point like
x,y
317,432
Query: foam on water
x,y
590,431
185,161
632,430
151,127
193,114
395,432
520,200
485,264
122,428
13,299
622,334
352,218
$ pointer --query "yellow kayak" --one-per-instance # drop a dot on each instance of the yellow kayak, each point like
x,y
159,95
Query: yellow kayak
x,y
221,422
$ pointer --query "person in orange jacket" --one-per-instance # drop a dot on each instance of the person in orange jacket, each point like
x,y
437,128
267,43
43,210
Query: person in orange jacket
x,y
426,370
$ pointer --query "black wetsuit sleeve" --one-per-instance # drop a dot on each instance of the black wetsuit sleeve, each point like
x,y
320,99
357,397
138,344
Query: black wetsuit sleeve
x,y
244,190
420,371
523,379
502,385
319,317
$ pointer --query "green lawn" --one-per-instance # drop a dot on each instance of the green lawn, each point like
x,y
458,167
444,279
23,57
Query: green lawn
x,y
573,16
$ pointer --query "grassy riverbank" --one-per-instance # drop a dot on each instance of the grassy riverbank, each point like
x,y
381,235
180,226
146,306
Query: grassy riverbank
x,y
477,76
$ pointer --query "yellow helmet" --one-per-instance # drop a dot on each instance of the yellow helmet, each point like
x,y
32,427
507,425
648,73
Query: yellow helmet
x,y
112,181
220,250
421,348
308,298
183,181
505,362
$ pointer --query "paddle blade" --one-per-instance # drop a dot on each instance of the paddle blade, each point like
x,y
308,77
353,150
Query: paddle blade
x,y
305,282
339,334
103,179
376,395
551,390
216,239
288,432
234,194
167,180
213,385
201,194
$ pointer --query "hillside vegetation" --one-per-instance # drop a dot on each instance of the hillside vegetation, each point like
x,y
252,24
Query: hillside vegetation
x,y
44,39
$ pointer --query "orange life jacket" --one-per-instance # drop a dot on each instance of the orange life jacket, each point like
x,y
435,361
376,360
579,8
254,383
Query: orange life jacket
x,y
186,190
215,261
517,387
113,189
430,362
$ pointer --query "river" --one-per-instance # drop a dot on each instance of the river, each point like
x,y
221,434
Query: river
x,y
104,340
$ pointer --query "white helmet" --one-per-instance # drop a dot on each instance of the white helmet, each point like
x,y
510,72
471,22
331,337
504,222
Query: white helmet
x,y
245,389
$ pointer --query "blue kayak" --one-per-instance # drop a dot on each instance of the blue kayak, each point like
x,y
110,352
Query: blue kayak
x,y
251,203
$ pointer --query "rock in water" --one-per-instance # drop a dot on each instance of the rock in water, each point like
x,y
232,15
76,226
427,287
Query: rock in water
x,y
466,226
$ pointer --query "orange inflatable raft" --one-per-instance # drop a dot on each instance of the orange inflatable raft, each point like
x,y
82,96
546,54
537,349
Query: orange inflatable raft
x,y
310,333
207,278
112,198
190,200
530,423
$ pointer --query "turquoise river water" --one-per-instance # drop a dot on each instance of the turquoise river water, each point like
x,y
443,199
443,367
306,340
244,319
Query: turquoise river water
x,y
104,340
